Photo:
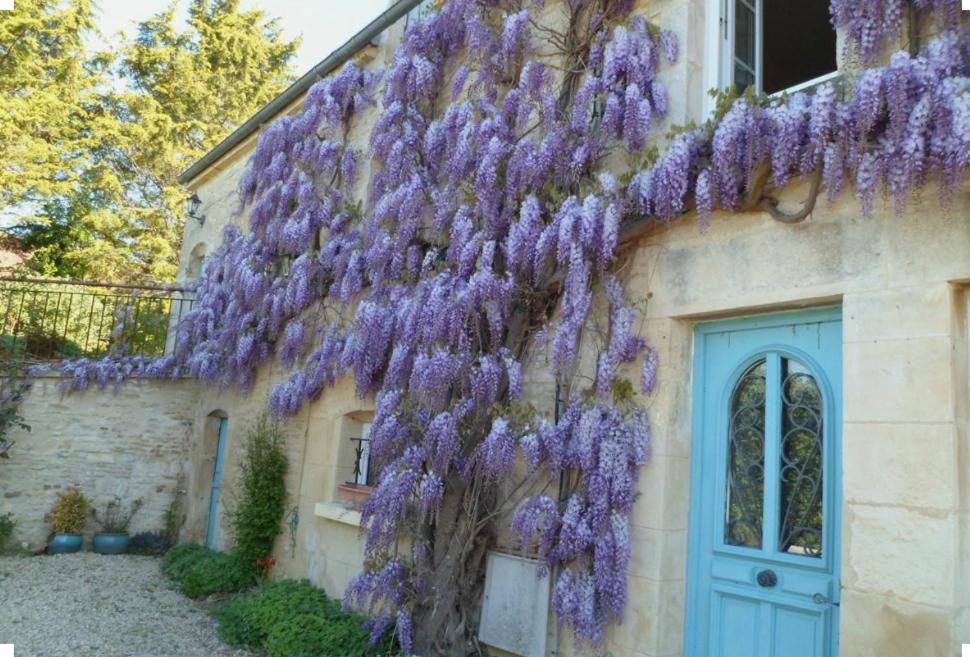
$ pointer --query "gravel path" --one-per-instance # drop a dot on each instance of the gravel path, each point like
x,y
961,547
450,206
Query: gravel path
x,y
85,604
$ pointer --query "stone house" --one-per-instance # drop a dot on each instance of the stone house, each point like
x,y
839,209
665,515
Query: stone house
x,y
853,329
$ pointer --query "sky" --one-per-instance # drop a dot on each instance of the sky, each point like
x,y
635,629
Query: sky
x,y
324,24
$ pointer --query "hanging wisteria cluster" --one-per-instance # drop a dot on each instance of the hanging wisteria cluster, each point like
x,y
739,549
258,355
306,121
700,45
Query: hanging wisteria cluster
x,y
898,125
868,23
489,231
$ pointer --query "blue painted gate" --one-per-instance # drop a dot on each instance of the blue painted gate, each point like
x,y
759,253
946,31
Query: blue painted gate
x,y
763,558
212,531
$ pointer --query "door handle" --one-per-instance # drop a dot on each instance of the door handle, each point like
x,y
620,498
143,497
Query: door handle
x,y
820,599
767,578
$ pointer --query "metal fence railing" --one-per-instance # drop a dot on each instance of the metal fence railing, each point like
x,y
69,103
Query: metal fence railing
x,y
44,319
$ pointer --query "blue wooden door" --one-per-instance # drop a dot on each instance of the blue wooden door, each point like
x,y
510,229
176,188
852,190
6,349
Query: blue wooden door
x,y
763,569
212,531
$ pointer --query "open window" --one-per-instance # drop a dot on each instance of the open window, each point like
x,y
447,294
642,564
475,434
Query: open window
x,y
362,475
355,472
773,45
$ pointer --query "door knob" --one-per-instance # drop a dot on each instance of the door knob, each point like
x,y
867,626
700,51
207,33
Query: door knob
x,y
767,578
820,599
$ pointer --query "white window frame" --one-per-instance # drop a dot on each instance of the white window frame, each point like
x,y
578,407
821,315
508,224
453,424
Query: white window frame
x,y
719,53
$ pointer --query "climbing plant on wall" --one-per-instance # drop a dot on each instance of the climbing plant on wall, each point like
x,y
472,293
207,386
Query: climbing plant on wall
x,y
508,169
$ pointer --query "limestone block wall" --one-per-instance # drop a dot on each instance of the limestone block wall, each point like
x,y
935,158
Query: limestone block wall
x,y
901,282
131,443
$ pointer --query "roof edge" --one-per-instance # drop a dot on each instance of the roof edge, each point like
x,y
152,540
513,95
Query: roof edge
x,y
335,59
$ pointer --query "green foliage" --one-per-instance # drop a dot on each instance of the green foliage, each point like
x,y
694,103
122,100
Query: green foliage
x,y
91,144
295,619
43,73
180,558
7,526
175,513
259,512
13,389
217,573
199,571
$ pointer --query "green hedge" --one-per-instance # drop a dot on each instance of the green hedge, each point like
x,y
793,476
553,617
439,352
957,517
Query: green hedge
x,y
294,619
199,571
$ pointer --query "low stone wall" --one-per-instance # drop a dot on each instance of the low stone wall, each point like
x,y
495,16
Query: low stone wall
x,y
133,443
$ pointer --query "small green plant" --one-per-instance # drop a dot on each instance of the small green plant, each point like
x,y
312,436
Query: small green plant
x,y
113,519
13,389
295,619
199,571
7,525
257,517
180,558
217,573
175,513
70,512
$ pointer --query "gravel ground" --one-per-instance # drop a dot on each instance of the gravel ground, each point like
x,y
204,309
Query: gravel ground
x,y
86,604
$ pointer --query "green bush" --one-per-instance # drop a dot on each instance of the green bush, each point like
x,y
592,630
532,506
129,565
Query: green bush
x,y
218,573
180,558
199,571
310,635
256,519
295,619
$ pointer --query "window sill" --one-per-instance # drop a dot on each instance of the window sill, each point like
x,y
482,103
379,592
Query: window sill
x,y
337,512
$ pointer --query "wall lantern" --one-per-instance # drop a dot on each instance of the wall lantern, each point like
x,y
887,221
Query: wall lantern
x,y
194,205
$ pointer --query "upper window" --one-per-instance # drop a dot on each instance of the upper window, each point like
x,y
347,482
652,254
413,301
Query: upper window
x,y
775,45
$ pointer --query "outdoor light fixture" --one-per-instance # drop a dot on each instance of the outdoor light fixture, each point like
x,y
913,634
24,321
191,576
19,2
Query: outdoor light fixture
x,y
194,204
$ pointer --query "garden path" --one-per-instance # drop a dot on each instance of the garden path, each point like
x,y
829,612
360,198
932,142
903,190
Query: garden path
x,y
85,604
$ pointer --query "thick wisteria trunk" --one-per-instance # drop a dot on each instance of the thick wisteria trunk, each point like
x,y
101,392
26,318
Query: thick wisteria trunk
x,y
446,621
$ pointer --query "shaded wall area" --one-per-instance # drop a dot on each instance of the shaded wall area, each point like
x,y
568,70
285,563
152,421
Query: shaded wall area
x,y
133,443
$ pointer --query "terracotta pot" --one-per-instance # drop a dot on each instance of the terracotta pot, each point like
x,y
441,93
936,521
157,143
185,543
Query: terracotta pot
x,y
353,495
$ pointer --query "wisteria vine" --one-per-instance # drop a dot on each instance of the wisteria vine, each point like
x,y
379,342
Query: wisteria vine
x,y
492,224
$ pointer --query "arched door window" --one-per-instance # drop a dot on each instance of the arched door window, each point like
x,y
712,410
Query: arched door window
x,y
775,458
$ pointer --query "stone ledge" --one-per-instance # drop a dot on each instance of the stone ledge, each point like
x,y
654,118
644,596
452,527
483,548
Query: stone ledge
x,y
337,513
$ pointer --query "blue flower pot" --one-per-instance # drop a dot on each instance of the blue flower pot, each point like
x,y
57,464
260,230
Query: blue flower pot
x,y
111,543
65,543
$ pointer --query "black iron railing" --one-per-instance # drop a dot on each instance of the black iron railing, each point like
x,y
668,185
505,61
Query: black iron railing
x,y
43,319
362,470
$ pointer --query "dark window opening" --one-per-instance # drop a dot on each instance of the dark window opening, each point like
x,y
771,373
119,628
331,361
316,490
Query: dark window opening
x,y
799,43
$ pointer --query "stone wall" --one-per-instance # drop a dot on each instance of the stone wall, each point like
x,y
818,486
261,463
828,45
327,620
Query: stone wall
x,y
132,443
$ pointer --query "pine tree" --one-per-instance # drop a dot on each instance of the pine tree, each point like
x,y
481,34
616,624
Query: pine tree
x,y
44,72
149,109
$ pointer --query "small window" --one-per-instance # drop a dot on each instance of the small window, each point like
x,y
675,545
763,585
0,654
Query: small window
x,y
196,261
362,470
776,45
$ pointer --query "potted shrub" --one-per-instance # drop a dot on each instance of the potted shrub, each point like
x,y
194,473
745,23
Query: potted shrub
x,y
113,536
67,518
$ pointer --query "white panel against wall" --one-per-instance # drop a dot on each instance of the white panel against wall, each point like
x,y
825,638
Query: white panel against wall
x,y
516,605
